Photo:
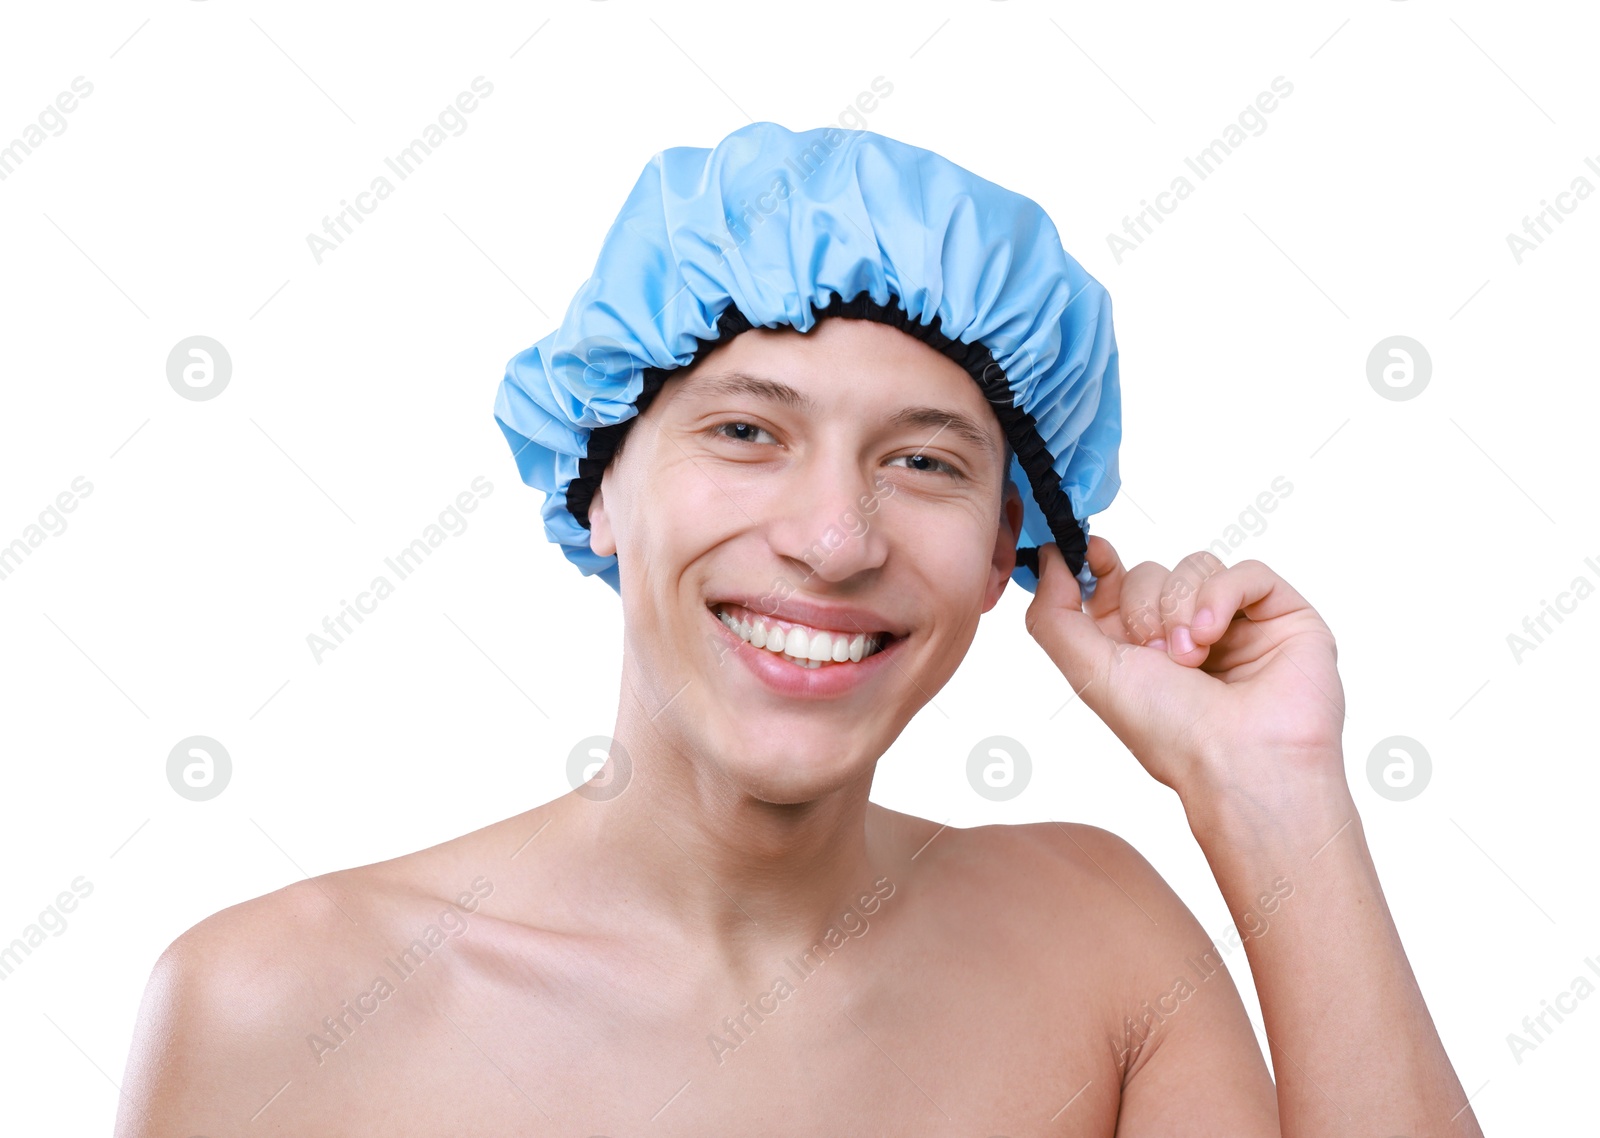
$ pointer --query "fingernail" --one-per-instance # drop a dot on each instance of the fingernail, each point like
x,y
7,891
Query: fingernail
x,y
1159,643
1202,619
1181,640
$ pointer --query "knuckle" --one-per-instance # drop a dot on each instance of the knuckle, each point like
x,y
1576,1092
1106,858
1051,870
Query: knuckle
x,y
1177,590
1142,622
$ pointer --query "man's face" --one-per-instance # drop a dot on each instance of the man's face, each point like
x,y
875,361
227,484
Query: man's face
x,y
856,513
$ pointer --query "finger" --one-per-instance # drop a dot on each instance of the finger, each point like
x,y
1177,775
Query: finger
x,y
1109,574
1241,642
1068,635
1140,612
1249,587
1056,590
1180,594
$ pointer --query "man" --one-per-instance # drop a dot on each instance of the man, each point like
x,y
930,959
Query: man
x,y
721,934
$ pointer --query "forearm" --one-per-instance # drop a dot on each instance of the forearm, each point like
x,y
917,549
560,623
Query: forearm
x,y
1354,1050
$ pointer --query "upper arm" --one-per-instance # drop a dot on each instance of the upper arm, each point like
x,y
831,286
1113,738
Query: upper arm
x,y
1191,1064
210,1048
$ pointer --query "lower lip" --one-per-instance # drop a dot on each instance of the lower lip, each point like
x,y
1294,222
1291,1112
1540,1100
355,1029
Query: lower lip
x,y
826,682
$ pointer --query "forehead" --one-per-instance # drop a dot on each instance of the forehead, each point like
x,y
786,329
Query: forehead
x,y
846,367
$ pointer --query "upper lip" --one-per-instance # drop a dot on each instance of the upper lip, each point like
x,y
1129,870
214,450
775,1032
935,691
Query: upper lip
x,y
835,618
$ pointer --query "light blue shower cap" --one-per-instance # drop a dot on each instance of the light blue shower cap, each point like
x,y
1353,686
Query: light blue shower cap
x,y
773,227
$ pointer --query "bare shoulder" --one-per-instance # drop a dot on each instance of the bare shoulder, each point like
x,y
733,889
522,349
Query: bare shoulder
x,y
1092,887
1181,1039
1104,864
1072,891
1080,863
1064,890
214,998
1085,848
228,1025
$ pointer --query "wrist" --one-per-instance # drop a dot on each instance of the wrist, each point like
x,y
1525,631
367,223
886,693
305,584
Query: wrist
x,y
1303,799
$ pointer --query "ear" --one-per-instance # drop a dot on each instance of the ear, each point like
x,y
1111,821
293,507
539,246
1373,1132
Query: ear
x,y
601,539
1005,546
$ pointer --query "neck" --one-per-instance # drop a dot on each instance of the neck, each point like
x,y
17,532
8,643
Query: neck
x,y
706,861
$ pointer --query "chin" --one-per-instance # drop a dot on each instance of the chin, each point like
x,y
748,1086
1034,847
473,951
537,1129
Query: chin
x,y
789,773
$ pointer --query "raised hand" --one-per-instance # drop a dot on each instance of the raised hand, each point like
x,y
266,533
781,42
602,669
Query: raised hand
x,y
1220,679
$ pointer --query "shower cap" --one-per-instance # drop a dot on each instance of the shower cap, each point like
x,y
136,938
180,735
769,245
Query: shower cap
x,y
773,227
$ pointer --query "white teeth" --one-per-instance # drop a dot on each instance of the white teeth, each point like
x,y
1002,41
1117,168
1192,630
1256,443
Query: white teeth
x,y
810,650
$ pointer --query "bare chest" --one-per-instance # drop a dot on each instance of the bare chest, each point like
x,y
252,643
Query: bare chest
x,y
900,1038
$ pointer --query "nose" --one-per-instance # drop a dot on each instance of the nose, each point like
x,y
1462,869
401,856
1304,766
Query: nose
x,y
827,522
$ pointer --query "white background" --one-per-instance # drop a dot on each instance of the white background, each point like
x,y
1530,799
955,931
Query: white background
x,y
218,534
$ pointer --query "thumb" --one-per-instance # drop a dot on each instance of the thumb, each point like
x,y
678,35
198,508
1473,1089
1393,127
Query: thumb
x,y
1068,635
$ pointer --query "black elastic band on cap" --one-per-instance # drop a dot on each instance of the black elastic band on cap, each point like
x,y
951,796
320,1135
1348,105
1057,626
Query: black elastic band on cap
x,y
1020,427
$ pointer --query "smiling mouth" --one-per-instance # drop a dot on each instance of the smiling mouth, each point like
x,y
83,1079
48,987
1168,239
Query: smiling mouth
x,y
800,645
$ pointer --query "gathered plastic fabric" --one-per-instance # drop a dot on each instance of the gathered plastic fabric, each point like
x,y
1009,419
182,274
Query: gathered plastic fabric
x,y
773,227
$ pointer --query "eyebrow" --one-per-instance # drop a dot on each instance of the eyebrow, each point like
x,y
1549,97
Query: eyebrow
x,y
774,391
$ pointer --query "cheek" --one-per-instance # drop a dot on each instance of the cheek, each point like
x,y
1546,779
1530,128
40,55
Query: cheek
x,y
956,561
673,521
948,543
